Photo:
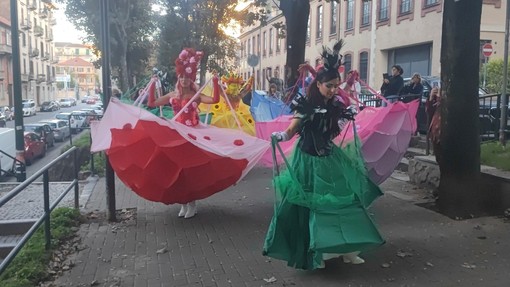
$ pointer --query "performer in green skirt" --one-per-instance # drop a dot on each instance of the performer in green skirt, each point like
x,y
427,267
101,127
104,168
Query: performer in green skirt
x,y
321,198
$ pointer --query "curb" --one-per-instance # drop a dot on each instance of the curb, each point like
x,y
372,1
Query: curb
x,y
88,189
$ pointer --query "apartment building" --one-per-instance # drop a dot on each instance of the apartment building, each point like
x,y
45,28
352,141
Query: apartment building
x,y
36,23
65,51
378,34
81,72
5,62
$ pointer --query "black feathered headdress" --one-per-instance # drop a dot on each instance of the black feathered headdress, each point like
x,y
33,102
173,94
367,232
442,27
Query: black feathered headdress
x,y
332,58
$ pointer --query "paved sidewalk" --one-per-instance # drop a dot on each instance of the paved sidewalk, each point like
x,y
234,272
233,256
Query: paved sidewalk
x,y
222,245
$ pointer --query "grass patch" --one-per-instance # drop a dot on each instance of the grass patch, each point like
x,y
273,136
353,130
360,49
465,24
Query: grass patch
x,y
30,266
496,155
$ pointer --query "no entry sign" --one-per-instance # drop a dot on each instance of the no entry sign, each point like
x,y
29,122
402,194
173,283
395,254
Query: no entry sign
x,y
487,50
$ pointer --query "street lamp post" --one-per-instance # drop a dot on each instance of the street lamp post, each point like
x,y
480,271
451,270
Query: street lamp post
x,y
105,57
504,97
17,97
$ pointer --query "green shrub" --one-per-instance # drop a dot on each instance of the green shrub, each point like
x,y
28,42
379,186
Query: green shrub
x,y
496,155
30,265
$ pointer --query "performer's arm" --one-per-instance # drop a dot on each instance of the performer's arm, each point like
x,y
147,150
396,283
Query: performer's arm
x,y
289,132
216,93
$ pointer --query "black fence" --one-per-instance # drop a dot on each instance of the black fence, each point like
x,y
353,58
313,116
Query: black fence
x,y
489,113
47,205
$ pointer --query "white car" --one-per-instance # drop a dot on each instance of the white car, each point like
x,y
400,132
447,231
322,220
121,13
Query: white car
x,y
29,108
65,102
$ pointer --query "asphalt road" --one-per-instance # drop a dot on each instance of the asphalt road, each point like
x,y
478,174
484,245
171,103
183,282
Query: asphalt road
x,y
52,152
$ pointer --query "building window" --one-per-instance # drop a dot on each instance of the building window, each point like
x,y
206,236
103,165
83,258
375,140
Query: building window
x,y
76,51
271,36
349,21
334,18
80,70
308,32
253,51
383,10
431,2
405,6
258,44
365,16
278,41
318,35
264,43
347,62
363,66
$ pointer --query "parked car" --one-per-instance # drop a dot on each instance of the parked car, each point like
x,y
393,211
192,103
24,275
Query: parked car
x,y
34,147
75,121
98,109
85,118
49,106
7,113
60,128
29,108
44,131
65,102
92,113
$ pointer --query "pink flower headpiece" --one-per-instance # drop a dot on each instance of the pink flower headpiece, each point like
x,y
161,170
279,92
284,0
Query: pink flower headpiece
x,y
187,62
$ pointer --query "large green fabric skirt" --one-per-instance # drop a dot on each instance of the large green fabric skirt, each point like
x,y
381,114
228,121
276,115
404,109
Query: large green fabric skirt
x,y
320,207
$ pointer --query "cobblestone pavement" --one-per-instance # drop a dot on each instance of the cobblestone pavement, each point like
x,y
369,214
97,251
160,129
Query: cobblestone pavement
x,y
222,245
28,204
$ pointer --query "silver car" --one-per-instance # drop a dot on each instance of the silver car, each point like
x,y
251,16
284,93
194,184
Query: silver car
x,y
60,128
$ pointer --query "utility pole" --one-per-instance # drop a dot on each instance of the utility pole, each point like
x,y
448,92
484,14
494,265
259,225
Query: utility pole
x,y
21,174
504,96
107,90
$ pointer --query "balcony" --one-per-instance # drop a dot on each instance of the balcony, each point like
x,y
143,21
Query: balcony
x,y
55,60
49,37
2,75
41,78
4,49
32,5
43,13
24,77
31,76
53,21
26,25
45,57
33,53
50,79
38,31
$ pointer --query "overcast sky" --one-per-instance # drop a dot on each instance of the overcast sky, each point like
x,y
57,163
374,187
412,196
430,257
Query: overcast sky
x,y
65,31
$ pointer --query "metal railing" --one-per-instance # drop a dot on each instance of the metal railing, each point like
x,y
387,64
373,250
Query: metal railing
x,y
15,164
48,207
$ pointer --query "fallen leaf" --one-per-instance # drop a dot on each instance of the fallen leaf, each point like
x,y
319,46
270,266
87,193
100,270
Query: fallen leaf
x,y
385,265
468,266
270,280
162,250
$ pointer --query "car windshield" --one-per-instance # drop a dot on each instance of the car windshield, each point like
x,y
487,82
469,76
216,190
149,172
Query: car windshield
x,y
62,117
27,105
31,128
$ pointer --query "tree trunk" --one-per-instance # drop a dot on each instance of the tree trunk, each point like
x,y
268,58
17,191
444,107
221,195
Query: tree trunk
x,y
296,18
459,189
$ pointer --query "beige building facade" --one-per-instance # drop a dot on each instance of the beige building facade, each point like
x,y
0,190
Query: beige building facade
x,y
36,22
378,34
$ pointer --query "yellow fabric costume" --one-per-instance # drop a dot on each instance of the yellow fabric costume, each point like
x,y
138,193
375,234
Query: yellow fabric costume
x,y
221,113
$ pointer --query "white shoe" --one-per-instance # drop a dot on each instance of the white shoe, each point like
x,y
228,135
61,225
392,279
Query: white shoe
x,y
322,265
353,258
192,209
184,209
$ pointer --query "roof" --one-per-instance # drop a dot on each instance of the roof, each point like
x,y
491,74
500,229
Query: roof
x,y
69,44
76,62
5,21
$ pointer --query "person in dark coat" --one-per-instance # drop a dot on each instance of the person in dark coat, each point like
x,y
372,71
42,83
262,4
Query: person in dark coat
x,y
392,85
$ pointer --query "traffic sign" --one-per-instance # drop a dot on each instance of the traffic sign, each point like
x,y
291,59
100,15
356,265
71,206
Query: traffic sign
x,y
487,49
253,60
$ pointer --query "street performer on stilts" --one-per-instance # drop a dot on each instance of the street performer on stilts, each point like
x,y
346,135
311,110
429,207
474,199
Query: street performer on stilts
x,y
186,67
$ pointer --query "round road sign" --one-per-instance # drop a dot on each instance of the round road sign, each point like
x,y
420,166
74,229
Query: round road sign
x,y
487,49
